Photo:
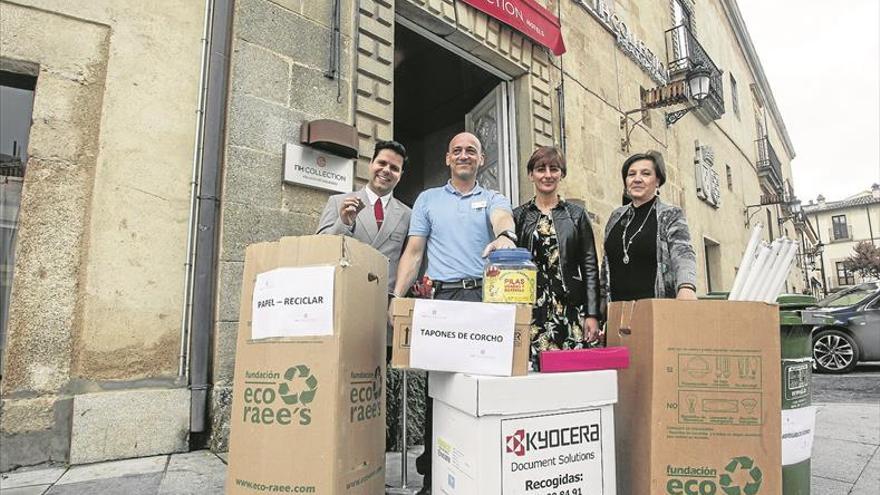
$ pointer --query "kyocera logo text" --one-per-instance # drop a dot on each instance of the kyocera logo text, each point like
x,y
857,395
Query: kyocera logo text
x,y
522,441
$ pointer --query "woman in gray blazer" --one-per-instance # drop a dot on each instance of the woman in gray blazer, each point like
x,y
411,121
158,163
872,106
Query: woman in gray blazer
x,y
648,252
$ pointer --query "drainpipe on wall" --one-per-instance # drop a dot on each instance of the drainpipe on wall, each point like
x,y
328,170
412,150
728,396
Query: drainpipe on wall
x,y
205,267
186,311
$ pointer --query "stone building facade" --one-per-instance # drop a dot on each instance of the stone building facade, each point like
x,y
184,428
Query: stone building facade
x,y
840,226
101,275
721,159
96,300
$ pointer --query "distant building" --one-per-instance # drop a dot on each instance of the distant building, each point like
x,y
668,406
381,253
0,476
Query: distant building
x,y
840,225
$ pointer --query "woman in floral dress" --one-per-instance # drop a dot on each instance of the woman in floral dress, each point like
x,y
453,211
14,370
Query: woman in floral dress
x,y
560,237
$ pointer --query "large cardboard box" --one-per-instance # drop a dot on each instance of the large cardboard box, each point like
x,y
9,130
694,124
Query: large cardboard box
x,y
537,434
308,407
402,316
699,406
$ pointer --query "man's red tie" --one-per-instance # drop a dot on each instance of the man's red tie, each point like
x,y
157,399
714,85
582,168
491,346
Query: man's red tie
x,y
379,212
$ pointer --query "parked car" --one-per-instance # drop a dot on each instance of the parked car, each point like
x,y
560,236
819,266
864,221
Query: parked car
x,y
854,334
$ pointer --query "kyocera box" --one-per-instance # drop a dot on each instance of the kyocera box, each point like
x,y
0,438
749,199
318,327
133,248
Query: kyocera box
x,y
533,434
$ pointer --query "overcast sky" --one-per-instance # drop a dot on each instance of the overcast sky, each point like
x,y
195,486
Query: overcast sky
x,y
823,62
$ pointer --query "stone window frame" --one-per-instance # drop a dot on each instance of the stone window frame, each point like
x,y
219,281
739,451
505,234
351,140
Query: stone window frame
x,y
70,65
843,274
734,95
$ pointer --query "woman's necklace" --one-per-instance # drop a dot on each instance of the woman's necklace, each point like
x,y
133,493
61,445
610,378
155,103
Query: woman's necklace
x,y
626,245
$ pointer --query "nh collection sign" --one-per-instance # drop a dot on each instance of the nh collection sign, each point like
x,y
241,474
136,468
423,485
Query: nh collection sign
x,y
316,168
626,40
527,17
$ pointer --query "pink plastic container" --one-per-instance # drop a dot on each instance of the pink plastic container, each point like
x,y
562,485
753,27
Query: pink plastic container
x,y
600,358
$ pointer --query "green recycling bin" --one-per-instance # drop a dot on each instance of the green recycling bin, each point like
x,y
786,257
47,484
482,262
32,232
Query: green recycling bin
x,y
798,415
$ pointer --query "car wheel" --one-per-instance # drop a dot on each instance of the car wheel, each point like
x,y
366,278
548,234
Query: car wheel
x,y
834,352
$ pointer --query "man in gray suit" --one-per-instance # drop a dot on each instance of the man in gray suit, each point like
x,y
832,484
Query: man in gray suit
x,y
373,215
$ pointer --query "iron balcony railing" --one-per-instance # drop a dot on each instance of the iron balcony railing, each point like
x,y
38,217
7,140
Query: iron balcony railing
x,y
769,167
683,53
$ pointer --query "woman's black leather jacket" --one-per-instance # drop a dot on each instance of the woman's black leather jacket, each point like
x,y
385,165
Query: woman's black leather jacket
x,y
577,250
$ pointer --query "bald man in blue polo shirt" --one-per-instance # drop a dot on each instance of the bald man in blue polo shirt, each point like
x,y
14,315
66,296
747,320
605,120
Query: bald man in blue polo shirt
x,y
457,224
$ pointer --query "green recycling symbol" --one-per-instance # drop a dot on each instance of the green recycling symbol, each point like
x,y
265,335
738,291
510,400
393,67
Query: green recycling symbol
x,y
745,464
293,376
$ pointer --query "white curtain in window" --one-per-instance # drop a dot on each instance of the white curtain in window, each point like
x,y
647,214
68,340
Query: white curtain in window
x,y
10,199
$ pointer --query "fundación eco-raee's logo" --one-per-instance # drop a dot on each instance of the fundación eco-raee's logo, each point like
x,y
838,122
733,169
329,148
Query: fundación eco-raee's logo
x,y
749,485
296,388
299,387
740,476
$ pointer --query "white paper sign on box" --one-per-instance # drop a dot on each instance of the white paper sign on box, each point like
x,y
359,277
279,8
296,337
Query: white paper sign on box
x,y
293,302
460,336
553,453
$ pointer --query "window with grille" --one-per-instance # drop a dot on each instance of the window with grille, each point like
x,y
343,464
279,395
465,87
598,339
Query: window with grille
x,y
844,276
839,228
734,96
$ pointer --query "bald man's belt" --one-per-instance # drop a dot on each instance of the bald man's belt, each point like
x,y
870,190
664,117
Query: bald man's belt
x,y
465,283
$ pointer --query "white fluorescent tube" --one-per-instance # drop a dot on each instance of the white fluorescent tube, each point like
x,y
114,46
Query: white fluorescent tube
x,y
775,274
763,255
756,288
747,260
782,275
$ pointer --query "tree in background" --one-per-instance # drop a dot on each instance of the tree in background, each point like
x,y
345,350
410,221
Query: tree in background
x,y
865,260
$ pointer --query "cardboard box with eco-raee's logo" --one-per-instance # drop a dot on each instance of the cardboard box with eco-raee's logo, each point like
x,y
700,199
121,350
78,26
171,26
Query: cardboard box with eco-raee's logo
x,y
457,336
308,405
699,408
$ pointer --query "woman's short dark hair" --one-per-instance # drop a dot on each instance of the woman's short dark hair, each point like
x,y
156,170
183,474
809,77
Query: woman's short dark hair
x,y
548,155
654,157
390,145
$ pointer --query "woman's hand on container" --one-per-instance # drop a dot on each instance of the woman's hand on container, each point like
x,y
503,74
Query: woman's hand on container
x,y
686,294
591,328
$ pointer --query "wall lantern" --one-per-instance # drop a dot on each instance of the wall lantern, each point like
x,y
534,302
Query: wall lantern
x,y
698,82
695,87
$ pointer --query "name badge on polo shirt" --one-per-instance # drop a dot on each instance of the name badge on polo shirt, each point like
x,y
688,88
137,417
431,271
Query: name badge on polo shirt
x,y
478,204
